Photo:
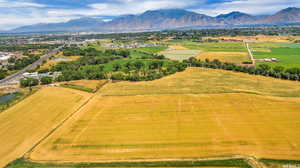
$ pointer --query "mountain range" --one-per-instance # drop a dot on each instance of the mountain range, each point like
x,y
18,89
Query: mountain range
x,y
164,19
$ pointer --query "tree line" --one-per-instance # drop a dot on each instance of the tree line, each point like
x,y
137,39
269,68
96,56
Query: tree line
x,y
262,69
93,66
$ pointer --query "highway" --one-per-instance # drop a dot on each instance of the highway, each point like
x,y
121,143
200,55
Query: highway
x,y
14,78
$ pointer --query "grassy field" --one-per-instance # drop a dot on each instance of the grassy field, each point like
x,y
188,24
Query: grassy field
x,y
216,47
23,125
146,120
287,57
153,50
180,54
232,57
84,85
231,163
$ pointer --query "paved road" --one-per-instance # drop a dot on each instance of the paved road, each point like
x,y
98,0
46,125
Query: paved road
x,y
14,78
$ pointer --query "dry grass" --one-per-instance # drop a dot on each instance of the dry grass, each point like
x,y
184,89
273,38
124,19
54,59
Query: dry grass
x,y
180,54
233,57
177,47
23,125
182,126
207,81
53,62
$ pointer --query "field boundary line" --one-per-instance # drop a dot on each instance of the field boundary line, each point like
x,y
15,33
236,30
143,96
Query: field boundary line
x,y
250,160
26,154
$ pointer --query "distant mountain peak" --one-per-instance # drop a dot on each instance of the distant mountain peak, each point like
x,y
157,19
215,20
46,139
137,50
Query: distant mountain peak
x,y
290,9
232,15
170,13
164,19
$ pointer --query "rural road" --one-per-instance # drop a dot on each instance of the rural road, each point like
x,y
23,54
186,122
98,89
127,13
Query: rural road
x,y
14,78
250,53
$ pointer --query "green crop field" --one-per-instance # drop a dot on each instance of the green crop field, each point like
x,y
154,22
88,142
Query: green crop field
x,y
287,57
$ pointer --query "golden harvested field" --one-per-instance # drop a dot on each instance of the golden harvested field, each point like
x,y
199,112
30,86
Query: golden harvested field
x,y
23,125
232,57
182,126
206,81
177,47
196,113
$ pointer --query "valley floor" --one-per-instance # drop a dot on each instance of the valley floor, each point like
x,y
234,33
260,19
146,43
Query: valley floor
x,y
197,113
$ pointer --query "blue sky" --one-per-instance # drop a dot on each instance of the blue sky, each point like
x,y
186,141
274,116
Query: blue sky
x,y
15,13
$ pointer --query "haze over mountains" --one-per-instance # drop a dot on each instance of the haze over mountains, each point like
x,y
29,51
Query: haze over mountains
x,y
165,19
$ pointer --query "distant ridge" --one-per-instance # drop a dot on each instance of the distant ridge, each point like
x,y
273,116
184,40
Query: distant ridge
x,y
164,19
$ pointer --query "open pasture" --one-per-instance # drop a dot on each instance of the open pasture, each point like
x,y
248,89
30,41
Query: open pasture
x,y
287,57
217,46
180,55
232,57
24,124
114,128
152,50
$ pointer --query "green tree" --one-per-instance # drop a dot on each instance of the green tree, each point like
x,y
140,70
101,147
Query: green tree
x,y
116,67
278,69
29,82
46,80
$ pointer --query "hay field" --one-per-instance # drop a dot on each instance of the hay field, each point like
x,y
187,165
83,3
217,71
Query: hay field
x,y
196,113
180,55
206,81
233,57
24,124
182,126
177,47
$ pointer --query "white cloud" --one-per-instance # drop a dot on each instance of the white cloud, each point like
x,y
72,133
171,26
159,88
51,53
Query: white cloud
x,y
15,13
123,7
19,4
256,7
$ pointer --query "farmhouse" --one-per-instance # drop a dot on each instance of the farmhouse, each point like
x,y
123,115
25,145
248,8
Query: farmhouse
x,y
267,60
